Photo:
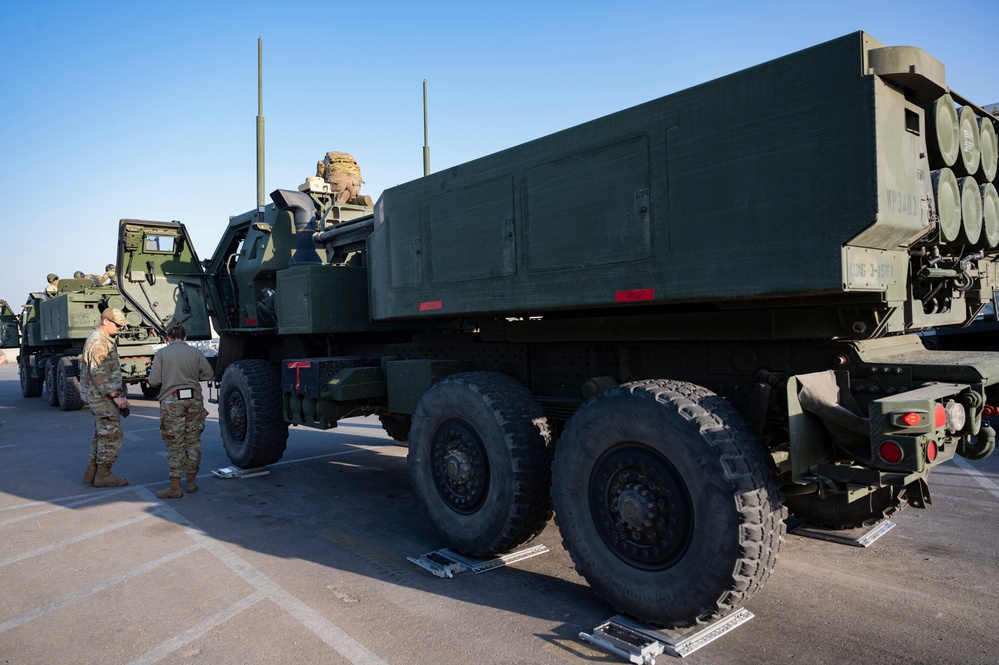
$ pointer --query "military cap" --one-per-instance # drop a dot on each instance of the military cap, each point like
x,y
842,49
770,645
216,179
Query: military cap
x,y
114,314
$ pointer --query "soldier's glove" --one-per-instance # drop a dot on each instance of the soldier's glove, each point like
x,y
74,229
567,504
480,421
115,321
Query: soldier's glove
x,y
125,411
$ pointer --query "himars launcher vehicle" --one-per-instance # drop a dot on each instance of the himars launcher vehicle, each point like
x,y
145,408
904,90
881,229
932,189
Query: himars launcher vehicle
x,y
50,333
668,325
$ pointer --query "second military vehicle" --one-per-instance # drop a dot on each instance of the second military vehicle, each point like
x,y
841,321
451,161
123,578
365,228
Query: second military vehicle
x,y
668,325
52,329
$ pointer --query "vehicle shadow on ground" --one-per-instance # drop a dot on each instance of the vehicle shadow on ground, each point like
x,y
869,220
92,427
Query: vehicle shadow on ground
x,y
340,499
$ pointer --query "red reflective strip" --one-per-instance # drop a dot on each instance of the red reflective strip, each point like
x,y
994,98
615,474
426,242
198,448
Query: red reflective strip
x,y
635,295
251,322
433,304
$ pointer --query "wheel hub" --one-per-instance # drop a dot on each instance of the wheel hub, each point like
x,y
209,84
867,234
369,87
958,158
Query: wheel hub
x,y
641,506
634,508
460,466
236,415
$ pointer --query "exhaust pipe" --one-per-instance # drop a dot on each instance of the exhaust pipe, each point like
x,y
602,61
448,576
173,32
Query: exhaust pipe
x,y
304,211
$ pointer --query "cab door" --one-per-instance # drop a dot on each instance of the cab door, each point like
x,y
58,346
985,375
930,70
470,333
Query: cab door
x,y
10,337
159,274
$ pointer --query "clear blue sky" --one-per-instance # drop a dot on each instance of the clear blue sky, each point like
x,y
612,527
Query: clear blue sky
x,y
147,109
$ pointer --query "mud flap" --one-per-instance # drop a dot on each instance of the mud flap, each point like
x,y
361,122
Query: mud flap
x,y
821,395
824,422
917,493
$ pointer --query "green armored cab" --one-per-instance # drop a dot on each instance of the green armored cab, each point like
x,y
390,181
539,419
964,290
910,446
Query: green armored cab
x,y
668,325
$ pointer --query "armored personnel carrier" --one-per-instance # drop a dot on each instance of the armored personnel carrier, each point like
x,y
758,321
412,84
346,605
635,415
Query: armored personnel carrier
x,y
668,325
50,333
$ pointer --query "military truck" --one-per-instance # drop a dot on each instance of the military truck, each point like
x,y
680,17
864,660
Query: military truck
x,y
50,333
669,325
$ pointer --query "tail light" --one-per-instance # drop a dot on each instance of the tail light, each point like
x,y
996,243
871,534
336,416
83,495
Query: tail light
x,y
931,451
891,452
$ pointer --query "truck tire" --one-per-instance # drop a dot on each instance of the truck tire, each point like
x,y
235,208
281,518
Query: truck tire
x,y
51,381
68,385
667,502
254,432
834,512
480,462
31,386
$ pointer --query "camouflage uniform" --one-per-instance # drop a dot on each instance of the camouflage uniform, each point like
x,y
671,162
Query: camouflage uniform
x,y
341,171
177,367
53,286
181,423
108,277
100,375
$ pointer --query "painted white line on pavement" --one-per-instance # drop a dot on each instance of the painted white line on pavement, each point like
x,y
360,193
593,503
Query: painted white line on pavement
x,y
88,498
78,539
194,632
110,582
327,631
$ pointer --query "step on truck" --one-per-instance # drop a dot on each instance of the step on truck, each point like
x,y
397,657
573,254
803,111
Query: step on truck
x,y
667,326
51,330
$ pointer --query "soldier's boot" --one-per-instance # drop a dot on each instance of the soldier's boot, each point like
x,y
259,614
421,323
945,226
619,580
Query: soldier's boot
x,y
88,476
192,482
172,492
104,477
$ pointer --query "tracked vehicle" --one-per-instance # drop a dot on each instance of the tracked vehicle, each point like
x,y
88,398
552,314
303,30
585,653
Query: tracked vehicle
x,y
670,324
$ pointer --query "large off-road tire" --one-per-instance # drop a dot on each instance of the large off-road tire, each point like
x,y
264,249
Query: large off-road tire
x,y
480,462
667,502
68,385
148,391
834,512
254,432
31,386
51,382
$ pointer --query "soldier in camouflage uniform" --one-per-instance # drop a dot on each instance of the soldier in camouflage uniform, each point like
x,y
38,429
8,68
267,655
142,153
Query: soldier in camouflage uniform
x,y
100,375
53,284
179,370
108,277
94,279
343,174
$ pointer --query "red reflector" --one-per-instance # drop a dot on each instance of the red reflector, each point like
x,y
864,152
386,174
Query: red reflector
x,y
634,295
911,419
891,452
988,411
297,365
427,306
940,416
251,322
931,451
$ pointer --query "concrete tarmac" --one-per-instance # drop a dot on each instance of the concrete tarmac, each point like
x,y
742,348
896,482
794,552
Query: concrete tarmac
x,y
308,564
